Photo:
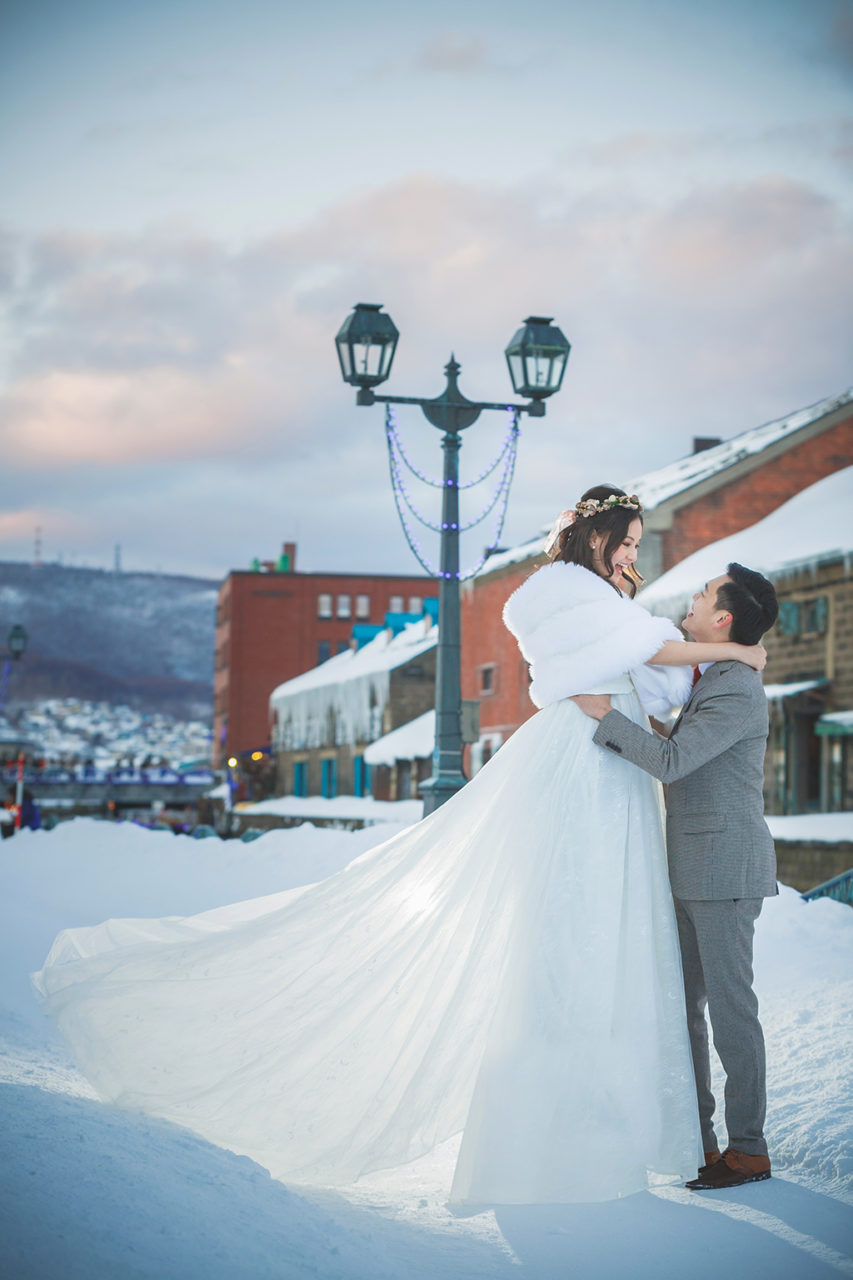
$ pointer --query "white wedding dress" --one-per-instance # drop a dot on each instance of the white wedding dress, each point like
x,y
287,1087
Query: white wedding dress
x,y
507,968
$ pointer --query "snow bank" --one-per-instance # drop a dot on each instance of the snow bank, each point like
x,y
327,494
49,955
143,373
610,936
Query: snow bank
x,y
343,808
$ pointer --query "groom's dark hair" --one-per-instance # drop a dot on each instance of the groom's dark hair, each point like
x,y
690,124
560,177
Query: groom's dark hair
x,y
751,600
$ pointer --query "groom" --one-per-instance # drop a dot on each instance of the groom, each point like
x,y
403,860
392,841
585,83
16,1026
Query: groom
x,y
722,862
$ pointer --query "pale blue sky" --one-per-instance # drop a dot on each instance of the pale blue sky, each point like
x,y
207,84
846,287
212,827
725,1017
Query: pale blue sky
x,y
195,193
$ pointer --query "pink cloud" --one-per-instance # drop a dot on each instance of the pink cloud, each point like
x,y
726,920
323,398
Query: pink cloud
x,y
166,346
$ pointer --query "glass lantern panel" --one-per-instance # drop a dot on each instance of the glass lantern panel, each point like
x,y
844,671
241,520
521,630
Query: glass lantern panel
x,y
385,356
345,356
545,368
558,365
367,357
535,370
516,369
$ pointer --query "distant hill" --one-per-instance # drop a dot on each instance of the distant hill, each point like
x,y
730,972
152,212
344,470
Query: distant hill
x,y
144,639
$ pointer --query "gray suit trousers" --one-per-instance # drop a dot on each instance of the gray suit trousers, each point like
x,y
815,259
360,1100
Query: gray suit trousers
x,y
716,950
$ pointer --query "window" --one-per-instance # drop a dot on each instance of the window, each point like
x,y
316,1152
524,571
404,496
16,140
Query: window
x,y
324,652
362,607
488,679
416,604
329,779
814,616
360,777
396,604
803,617
345,606
324,605
300,778
343,645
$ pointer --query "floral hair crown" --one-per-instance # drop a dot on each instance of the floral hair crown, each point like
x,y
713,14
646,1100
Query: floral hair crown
x,y
589,507
592,506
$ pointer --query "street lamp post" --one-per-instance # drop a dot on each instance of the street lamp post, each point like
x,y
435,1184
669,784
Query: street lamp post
x,y
536,356
16,645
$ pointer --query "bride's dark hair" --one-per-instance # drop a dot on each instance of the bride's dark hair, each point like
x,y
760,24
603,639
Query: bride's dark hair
x,y
612,525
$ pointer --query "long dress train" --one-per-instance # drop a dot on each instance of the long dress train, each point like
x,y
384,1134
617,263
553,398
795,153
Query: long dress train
x,y
508,967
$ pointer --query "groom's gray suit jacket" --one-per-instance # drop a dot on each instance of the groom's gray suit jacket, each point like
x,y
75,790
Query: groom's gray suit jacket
x,y
718,843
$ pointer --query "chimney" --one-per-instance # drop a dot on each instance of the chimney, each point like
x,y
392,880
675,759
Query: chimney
x,y
288,557
701,443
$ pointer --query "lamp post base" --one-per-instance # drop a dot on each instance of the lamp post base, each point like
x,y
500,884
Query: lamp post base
x,y
438,788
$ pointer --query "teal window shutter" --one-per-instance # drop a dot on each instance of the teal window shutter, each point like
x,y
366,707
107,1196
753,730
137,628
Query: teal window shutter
x,y
788,623
821,614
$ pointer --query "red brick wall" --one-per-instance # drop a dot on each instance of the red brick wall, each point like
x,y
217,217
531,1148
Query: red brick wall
x,y
268,632
486,641
742,502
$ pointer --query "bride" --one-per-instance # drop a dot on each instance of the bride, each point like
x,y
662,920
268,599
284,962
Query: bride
x,y
507,968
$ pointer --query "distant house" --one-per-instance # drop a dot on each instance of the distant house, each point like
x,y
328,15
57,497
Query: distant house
x,y
719,489
806,549
324,720
273,623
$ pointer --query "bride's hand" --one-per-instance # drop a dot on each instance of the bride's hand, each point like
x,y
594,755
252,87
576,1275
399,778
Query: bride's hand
x,y
754,655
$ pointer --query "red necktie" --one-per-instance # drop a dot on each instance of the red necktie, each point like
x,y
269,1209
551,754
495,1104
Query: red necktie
x,y
697,676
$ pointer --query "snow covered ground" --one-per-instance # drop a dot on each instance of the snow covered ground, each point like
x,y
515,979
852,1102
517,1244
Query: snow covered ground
x,y
341,808
90,1192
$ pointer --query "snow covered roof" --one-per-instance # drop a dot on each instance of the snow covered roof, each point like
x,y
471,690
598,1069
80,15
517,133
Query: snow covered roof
x,y
773,691
383,653
656,487
354,686
412,741
835,723
513,555
808,529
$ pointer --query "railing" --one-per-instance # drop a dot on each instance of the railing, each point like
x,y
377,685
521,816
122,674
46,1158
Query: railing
x,y
154,776
839,887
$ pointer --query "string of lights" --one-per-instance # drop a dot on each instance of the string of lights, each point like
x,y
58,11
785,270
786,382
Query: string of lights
x,y
399,481
497,502
509,441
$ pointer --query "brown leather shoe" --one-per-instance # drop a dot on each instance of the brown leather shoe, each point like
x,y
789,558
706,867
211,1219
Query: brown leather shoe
x,y
734,1169
711,1158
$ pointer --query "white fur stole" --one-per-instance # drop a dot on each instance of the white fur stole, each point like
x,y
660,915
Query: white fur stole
x,y
577,633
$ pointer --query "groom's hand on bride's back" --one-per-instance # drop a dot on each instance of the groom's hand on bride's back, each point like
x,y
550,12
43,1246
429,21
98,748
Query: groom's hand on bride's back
x,y
594,705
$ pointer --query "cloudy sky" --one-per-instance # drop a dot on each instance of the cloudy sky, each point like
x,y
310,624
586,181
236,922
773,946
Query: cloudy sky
x,y
196,192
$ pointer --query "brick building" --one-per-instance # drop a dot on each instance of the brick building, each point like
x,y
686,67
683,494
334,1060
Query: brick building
x,y
723,487
274,623
325,718
805,547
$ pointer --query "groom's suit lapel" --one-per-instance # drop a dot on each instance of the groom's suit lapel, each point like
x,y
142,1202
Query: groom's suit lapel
x,y
683,710
700,687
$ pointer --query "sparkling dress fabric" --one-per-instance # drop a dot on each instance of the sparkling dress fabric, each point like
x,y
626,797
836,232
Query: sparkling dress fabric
x,y
507,968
